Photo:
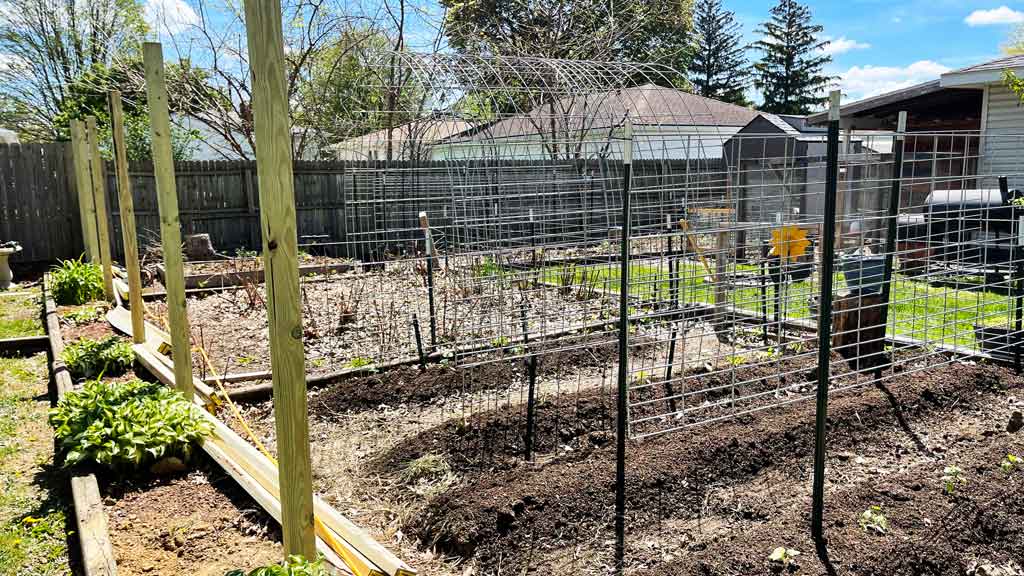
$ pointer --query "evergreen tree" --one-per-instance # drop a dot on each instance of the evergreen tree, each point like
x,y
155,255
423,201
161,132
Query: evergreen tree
x,y
719,68
790,73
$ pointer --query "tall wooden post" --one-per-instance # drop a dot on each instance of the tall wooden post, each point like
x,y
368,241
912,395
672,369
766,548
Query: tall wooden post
x,y
83,182
127,209
99,198
280,257
170,225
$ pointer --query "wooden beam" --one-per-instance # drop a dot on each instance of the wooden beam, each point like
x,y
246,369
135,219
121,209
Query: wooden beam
x,y
280,255
170,225
126,206
83,183
99,198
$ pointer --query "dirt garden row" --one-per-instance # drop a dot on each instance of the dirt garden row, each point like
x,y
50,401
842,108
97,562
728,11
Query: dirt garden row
x,y
445,481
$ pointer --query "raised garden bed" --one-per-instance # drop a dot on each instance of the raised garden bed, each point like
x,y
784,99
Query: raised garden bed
x,y
195,521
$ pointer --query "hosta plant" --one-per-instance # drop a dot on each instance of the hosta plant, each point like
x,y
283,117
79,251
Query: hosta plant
x,y
76,282
88,358
293,566
126,425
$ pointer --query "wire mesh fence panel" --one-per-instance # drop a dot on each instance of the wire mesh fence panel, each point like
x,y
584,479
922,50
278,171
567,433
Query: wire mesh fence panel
x,y
471,285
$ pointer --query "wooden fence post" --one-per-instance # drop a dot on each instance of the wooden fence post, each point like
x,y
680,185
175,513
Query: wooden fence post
x,y
99,199
170,225
280,256
127,209
83,184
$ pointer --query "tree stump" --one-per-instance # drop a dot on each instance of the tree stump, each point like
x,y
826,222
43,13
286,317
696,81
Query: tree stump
x,y
200,247
858,331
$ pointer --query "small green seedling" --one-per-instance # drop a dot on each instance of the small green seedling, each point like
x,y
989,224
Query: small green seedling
x,y
360,362
873,519
245,360
293,566
952,477
641,377
1009,463
784,556
500,342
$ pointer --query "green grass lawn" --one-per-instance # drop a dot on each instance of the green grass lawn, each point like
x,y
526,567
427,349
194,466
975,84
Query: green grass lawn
x,y
20,315
33,510
936,315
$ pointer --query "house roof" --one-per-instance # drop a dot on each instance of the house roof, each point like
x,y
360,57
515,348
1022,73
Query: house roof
x,y
880,100
984,73
423,130
647,105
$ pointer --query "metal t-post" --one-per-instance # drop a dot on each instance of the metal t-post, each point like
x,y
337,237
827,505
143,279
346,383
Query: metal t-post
x,y
622,428
825,316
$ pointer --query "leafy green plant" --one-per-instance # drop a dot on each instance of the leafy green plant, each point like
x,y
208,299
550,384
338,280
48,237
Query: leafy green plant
x,y
952,477
500,342
126,425
76,282
359,362
784,556
85,315
88,358
245,253
1009,463
293,566
873,519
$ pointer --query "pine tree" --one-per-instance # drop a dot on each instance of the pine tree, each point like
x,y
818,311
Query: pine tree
x,y
790,73
719,69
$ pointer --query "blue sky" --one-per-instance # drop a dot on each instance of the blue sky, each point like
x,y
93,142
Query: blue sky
x,y
882,45
878,45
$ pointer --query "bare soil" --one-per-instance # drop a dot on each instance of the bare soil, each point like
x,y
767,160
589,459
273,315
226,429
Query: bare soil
x,y
198,522
533,518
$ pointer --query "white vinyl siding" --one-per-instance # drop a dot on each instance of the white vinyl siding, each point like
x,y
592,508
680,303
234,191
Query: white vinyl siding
x,y
1004,136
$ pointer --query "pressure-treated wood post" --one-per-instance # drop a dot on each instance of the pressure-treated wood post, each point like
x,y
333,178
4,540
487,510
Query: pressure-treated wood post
x,y
83,182
127,209
99,198
280,259
170,225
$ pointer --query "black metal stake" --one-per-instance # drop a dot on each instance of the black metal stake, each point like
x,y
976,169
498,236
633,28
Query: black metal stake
x,y
825,318
764,295
621,416
531,393
891,222
429,244
419,342
669,388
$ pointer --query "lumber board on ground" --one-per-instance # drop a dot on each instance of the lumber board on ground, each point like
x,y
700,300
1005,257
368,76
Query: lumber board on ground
x,y
24,344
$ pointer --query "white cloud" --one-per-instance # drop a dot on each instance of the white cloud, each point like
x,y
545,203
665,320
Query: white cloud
x,y
842,45
866,81
995,17
169,16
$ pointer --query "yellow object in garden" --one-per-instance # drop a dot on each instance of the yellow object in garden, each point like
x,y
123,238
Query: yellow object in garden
x,y
789,242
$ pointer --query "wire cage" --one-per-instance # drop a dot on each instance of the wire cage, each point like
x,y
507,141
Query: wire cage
x,y
531,227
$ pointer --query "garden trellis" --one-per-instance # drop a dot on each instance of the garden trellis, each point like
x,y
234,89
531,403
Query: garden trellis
x,y
597,259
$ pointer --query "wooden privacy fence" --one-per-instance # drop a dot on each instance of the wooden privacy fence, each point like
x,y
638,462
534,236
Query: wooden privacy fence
x,y
366,208
39,201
